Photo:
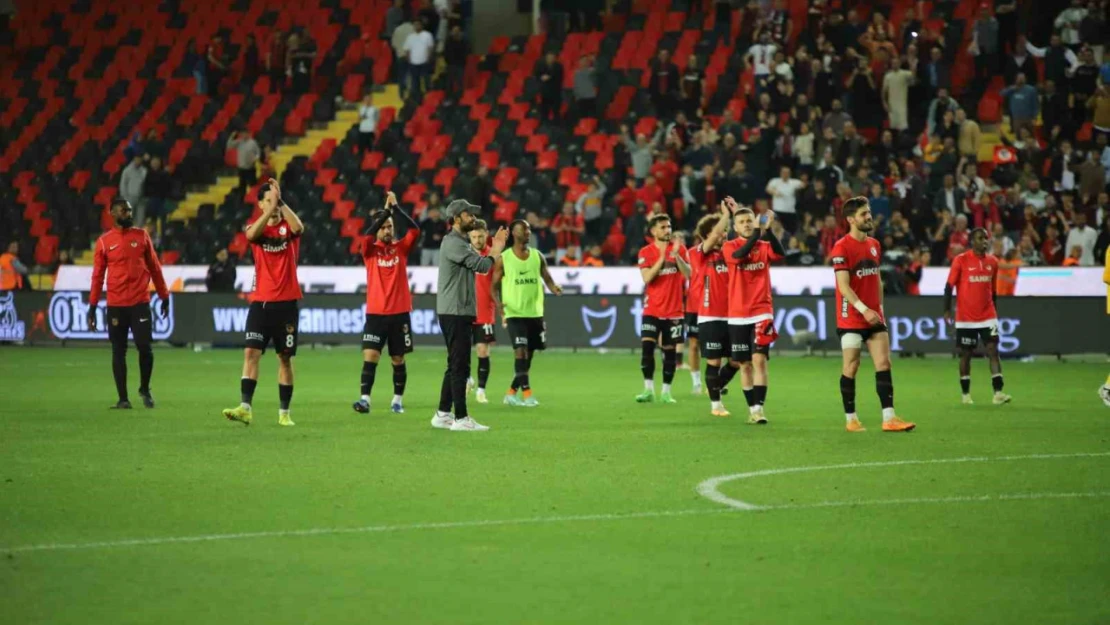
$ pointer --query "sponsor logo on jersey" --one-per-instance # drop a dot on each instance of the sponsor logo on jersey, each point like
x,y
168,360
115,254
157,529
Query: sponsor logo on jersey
x,y
391,262
521,281
838,260
760,266
979,279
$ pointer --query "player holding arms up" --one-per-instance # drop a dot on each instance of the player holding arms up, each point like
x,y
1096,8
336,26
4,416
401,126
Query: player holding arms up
x,y
275,239
388,301
487,309
127,255
664,270
751,316
519,276
859,317
972,275
710,287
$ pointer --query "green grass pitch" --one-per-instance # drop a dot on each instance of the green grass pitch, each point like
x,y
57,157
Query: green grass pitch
x,y
584,510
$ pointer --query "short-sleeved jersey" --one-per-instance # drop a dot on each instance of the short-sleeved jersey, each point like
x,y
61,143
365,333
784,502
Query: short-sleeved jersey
x,y
483,292
973,279
275,264
693,290
387,274
709,284
663,295
749,282
861,260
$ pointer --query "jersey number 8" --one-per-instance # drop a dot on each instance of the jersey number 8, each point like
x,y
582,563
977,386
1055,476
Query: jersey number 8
x,y
289,338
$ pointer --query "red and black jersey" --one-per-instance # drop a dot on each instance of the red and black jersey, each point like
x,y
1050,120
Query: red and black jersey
x,y
861,260
483,294
749,283
973,278
709,283
127,256
387,277
663,295
275,264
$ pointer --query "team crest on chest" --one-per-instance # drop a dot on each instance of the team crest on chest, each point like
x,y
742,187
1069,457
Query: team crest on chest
x,y
134,244
874,252
281,231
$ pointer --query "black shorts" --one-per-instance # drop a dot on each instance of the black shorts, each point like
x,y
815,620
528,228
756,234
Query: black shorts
x,y
530,332
691,325
865,333
138,319
392,330
666,332
744,344
484,333
276,322
714,340
969,338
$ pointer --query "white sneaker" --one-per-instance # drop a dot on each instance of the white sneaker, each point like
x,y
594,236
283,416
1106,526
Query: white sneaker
x,y
1001,398
480,396
967,400
467,425
697,389
1104,393
469,385
443,420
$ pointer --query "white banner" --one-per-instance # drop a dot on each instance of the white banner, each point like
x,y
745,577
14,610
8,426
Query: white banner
x,y
1058,281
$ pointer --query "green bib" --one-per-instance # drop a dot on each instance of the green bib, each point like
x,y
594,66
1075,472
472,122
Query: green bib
x,y
522,285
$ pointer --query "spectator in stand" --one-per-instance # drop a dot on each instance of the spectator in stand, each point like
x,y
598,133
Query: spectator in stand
x,y
266,165
1084,237
625,199
784,191
1099,105
419,52
693,84
247,154
665,172
650,193
480,188
896,90
252,64
14,275
949,197
432,231
550,75
157,187
760,57
729,126
919,259
864,96
1102,243
1020,61
937,73
152,145
216,61
880,204
131,188
400,56
663,84
1068,22
835,119
568,228
642,151
1092,178
1052,248
275,59
585,88
394,17
368,115
985,42
1060,170
196,61
221,274
1059,60
999,238
455,52
590,208
429,16
940,105
831,232
1074,257
969,135
542,237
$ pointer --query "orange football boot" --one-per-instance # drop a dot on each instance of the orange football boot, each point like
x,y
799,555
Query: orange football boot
x,y
855,426
897,425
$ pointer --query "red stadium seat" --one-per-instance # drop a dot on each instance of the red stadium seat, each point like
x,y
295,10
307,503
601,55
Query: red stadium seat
x,y
547,160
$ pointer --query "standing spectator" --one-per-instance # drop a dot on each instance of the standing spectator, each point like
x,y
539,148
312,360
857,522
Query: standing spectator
x,y
985,46
247,154
663,84
480,188
266,165
252,64
550,75
742,185
153,146
1084,81
970,137
937,72
400,57
641,151
626,199
761,56
693,82
12,270
1092,178
1099,105
1083,236
221,274
568,228
1023,104
949,197
216,57
394,17
367,123
432,231
157,187
1058,59
1005,11
940,105
589,207
275,59
419,49
1019,61
804,148
896,90
651,193
836,118
1068,21
864,96
783,191
455,52
1052,249
131,187
198,62
301,58
1060,170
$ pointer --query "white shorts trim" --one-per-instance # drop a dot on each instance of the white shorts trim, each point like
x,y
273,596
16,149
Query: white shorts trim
x,y
976,325
702,319
851,340
747,321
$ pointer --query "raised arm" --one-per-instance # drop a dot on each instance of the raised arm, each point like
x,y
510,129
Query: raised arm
x,y
719,231
683,266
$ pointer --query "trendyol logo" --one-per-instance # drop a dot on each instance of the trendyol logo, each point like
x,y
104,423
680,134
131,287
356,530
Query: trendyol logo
x,y
603,333
11,328
68,311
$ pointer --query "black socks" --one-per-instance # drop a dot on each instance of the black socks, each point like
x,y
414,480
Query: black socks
x,y
285,395
647,359
670,364
884,386
848,394
400,379
369,370
483,371
246,390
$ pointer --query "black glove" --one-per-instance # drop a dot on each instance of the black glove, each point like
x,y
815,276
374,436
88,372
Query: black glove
x,y
165,306
91,318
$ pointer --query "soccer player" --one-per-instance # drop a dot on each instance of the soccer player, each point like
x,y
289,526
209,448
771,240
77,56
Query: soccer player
x,y
1104,392
859,316
972,276
388,301
751,315
127,255
663,266
690,321
275,239
710,290
517,276
487,310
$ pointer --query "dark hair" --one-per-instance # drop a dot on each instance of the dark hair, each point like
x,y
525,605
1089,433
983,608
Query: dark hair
x,y
983,230
118,200
656,220
480,224
263,190
706,225
743,210
853,206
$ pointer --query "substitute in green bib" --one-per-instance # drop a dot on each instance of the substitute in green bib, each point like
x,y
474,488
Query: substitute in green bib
x,y
519,277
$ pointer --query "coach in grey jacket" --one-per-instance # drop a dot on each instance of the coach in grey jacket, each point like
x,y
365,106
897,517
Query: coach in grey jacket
x,y
457,310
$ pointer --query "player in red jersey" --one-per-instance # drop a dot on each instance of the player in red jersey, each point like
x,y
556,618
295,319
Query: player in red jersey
x,y
973,276
127,255
710,288
859,318
690,321
275,239
484,334
663,266
388,301
751,316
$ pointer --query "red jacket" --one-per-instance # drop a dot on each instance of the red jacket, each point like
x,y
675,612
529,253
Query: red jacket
x,y
129,258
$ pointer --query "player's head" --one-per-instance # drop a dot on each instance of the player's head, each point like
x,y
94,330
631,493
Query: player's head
x,y
267,197
121,212
385,231
980,241
462,215
743,221
479,234
857,212
659,227
521,231
705,226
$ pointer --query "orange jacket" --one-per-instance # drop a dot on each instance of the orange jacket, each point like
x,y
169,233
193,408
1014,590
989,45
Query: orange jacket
x,y
10,279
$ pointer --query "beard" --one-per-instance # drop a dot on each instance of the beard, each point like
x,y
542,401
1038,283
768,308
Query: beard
x,y
866,226
125,223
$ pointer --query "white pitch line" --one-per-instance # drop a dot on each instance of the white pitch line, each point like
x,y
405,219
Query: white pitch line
x,y
710,488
